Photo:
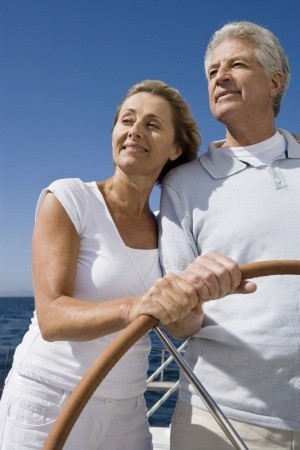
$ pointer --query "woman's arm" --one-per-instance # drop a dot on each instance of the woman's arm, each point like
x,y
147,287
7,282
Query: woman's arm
x,y
60,315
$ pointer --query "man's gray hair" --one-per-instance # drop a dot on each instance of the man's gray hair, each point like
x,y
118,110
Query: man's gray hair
x,y
269,51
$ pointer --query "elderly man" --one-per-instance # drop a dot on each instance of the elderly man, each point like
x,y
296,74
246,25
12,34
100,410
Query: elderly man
x,y
241,199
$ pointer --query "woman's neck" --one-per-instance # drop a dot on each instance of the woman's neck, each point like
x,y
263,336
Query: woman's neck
x,y
129,208
126,195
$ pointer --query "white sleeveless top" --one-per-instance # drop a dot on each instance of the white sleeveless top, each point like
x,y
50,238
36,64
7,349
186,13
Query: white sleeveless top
x,y
106,269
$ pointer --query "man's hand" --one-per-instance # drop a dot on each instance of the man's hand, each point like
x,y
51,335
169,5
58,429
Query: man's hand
x,y
214,276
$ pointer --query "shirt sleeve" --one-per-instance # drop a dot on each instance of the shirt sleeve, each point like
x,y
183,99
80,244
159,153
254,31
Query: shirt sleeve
x,y
70,194
176,243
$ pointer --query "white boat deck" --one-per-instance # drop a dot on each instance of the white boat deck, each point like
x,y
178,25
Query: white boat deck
x,y
161,438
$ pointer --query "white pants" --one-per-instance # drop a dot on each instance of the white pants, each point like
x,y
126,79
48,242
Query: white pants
x,y
29,408
195,429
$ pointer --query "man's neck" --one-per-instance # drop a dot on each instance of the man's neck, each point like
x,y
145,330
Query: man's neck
x,y
239,137
262,153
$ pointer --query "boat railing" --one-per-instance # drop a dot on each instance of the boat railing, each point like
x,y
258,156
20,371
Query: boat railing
x,y
155,382
6,358
161,385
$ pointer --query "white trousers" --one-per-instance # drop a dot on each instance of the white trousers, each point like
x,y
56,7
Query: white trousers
x,y
195,429
29,408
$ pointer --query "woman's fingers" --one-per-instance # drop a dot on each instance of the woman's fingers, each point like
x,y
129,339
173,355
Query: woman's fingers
x,y
170,299
209,277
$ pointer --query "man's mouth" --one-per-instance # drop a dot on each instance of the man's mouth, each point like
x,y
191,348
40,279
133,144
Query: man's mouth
x,y
225,93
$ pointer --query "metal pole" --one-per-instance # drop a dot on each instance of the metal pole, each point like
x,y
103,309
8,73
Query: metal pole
x,y
221,419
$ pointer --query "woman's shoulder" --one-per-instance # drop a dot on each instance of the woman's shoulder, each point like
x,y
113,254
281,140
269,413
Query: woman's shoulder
x,y
71,185
66,183
73,194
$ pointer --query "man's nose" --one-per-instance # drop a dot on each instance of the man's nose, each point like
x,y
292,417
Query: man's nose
x,y
222,74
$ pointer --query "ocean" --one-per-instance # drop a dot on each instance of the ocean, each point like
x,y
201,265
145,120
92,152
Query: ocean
x,y
15,316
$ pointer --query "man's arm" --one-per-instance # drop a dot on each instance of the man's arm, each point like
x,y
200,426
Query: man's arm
x,y
213,275
176,242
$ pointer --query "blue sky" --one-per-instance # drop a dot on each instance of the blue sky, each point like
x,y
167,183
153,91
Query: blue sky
x,y
64,67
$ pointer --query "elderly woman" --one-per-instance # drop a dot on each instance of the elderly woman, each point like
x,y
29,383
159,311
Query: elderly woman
x,y
95,269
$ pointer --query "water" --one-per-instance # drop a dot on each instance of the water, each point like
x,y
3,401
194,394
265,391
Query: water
x,y
15,316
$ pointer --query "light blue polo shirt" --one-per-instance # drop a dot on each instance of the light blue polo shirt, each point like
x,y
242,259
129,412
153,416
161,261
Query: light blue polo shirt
x,y
247,354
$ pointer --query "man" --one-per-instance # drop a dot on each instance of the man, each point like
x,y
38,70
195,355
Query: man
x,y
240,199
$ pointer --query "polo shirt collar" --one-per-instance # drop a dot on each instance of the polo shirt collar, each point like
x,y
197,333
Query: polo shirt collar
x,y
221,165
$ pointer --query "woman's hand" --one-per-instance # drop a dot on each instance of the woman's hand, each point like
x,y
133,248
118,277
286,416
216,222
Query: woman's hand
x,y
170,299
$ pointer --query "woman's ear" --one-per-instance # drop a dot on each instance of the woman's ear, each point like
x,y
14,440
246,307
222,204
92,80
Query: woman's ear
x,y
177,152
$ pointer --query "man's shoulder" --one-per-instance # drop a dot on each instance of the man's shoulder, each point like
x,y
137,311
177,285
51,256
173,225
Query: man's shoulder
x,y
184,170
293,145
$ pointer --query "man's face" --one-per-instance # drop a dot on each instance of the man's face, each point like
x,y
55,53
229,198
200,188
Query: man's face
x,y
238,87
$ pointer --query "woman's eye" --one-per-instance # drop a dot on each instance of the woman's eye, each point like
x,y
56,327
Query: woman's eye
x,y
152,125
126,120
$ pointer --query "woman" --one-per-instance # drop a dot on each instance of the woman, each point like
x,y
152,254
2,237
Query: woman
x,y
95,259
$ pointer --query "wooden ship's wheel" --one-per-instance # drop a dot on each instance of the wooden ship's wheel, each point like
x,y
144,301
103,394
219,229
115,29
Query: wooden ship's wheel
x,y
125,339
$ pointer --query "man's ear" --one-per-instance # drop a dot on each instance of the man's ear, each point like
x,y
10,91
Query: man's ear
x,y
277,82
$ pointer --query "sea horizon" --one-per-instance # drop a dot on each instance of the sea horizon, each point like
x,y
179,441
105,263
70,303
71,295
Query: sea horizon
x,y
16,294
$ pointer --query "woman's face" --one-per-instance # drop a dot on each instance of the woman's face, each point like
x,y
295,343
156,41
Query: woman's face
x,y
143,137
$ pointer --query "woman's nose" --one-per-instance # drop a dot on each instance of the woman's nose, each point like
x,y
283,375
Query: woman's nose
x,y
135,130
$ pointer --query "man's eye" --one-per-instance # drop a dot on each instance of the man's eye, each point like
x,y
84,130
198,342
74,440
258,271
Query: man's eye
x,y
212,73
238,64
126,120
